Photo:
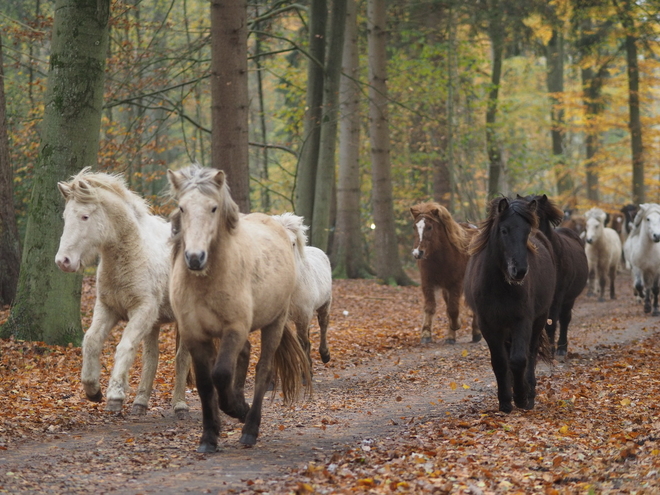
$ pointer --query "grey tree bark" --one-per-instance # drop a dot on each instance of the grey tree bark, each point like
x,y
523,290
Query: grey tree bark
x,y
388,264
325,173
496,34
47,306
10,249
229,97
347,258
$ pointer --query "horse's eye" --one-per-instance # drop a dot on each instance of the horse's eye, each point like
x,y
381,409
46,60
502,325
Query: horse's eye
x,y
181,209
85,218
214,209
428,227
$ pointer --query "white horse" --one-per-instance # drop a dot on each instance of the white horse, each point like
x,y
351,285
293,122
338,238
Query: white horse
x,y
313,292
642,251
603,249
103,218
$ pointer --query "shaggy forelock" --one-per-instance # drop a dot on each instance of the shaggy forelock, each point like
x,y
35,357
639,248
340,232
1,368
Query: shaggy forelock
x,y
597,214
196,177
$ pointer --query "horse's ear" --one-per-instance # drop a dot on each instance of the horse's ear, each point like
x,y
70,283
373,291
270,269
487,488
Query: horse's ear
x,y
502,205
219,178
65,189
533,205
174,179
638,216
414,211
607,219
435,212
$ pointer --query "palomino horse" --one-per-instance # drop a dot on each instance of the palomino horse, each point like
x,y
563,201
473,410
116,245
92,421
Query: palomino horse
x,y
509,284
572,269
441,250
103,218
603,251
231,275
313,292
642,250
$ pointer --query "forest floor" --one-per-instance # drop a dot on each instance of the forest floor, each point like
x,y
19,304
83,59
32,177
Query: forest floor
x,y
388,415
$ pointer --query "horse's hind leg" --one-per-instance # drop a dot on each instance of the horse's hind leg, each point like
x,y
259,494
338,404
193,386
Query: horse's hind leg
x,y
182,367
452,301
203,354
324,321
612,280
149,366
302,330
102,322
271,335
428,290
565,317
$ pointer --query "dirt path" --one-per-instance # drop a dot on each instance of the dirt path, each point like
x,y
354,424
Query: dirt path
x,y
353,405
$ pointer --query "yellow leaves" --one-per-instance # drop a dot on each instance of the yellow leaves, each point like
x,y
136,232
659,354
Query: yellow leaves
x,y
539,27
625,402
453,385
564,430
464,353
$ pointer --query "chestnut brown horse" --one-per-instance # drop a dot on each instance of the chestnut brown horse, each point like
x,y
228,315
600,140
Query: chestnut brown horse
x,y
509,284
572,269
441,249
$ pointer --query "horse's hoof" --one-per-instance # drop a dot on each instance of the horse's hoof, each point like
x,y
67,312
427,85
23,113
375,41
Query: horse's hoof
x,y
182,413
138,410
325,357
476,338
114,405
561,352
207,448
450,341
601,299
247,439
97,397
655,313
506,408
530,404
647,309
426,340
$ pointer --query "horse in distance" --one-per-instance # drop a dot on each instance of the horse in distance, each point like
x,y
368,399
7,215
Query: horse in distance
x,y
603,251
441,250
104,219
232,274
572,269
313,293
509,284
642,251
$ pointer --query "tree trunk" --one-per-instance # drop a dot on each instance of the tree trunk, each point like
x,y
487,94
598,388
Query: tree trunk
x,y
496,34
635,123
347,258
10,248
555,82
325,174
47,306
592,83
229,95
388,264
309,154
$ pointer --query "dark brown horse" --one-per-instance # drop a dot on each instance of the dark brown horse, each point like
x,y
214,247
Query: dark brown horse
x,y
572,269
509,284
441,250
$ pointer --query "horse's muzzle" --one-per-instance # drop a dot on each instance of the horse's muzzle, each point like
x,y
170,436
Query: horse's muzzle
x,y
589,241
195,261
656,237
418,254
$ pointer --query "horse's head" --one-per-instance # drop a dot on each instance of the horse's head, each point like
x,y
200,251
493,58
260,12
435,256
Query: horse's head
x,y
432,222
512,228
595,225
648,219
206,210
84,224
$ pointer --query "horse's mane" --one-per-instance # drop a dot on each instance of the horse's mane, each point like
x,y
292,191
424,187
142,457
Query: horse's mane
x,y
547,209
524,208
644,209
439,214
296,229
81,191
596,213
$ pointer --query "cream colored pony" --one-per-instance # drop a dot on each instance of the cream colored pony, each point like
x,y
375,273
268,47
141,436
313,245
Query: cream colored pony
x,y
103,218
231,275
313,292
603,249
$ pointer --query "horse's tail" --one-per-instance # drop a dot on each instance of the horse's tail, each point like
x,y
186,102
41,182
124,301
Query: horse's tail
x,y
544,351
292,366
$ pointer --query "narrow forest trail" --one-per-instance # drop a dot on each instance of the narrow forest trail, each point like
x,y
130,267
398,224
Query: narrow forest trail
x,y
366,394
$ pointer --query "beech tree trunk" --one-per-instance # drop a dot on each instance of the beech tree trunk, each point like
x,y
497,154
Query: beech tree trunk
x,y
10,249
388,264
229,95
635,124
47,305
496,34
592,84
347,258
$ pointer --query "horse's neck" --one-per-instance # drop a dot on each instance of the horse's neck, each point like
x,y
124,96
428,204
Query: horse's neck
x,y
123,234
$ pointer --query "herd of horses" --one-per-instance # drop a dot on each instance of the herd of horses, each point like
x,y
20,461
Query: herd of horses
x,y
221,275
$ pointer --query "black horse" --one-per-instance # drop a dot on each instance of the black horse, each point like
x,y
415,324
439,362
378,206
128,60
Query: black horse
x,y
572,269
509,284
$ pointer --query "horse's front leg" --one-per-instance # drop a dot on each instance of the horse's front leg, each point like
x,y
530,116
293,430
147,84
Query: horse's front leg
x,y
551,325
612,274
242,364
519,362
182,367
452,302
149,365
203,354
656,289
428,291
102,322
232,350
140,323
324,322
499,360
